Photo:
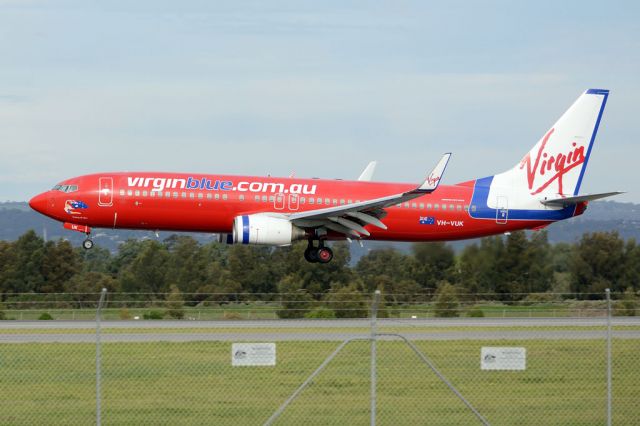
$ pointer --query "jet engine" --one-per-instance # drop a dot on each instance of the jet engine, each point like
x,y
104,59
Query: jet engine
x,y
264,229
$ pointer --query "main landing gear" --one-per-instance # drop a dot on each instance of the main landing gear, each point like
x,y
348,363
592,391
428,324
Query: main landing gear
x,y
87,244
320,254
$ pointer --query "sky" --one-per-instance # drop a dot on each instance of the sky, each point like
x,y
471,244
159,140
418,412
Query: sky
x,y
310,88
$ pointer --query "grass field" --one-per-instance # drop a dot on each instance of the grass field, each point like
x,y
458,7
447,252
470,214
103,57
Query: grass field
x,y
193,383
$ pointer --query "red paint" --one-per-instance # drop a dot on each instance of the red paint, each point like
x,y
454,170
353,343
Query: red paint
x,y
558,164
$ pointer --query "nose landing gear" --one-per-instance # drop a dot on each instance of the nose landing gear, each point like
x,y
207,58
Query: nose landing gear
x,y
320,254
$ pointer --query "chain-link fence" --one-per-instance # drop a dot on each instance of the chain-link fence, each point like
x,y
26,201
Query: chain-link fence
x,y
526,360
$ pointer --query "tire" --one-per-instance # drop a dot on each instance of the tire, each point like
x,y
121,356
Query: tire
x,y
87,244
311,255
325,254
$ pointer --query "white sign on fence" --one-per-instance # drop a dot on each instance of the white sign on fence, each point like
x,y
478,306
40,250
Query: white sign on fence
x,y
503,358
253,354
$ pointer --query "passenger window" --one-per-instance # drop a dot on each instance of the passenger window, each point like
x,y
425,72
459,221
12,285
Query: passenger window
x,y
241,197
349,202
451,207
122,192
459,207
217,196
335,201
224,197
473,208
421,206
192,195
175,195
209,196
264,198
312,200
137,193
159,194
256,198
167,194
129,193
184,195
272,198
200,195
145,193
406,205
436,206
444,207
466,208
414,206
342,202
303,200
429,206
327,201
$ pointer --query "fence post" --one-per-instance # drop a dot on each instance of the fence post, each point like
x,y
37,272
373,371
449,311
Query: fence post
x,y
99,358
609,360
374,377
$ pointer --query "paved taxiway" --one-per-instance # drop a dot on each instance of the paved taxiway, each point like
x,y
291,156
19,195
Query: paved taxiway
x,y
318,330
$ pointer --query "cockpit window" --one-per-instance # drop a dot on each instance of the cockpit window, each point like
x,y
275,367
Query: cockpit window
x,y
65,188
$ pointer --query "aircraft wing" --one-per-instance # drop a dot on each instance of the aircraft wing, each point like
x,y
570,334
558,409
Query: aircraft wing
x,y
350,219
567,201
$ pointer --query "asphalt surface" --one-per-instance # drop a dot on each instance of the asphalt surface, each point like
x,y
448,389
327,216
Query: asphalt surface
x,y
294,330
335,323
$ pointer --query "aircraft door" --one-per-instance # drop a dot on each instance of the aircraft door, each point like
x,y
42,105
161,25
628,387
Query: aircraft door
x,y
105,194
294,201
502,210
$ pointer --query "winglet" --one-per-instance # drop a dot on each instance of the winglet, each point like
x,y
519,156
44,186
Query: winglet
x,y
433,180
367,173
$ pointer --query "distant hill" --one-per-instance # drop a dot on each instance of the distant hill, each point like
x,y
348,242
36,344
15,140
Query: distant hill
x,y
16,218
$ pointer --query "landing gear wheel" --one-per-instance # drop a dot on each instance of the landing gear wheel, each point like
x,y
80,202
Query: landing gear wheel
x,y
324,254
87,244
311,255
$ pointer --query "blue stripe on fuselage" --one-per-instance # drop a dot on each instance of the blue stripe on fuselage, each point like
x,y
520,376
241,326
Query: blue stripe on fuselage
x,y
483,211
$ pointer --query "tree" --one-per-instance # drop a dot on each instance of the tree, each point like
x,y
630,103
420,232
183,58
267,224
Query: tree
x,y
596,263
347,302
148,271
446,300
175,303
296,302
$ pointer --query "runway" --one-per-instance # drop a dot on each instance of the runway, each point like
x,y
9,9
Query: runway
x,y
318,330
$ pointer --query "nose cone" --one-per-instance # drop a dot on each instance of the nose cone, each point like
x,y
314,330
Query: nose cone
x,y
39,203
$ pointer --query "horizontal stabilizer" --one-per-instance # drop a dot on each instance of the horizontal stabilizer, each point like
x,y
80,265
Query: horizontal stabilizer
x,y
567,201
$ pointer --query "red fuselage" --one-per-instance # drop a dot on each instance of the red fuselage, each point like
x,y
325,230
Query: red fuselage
x,y
209,203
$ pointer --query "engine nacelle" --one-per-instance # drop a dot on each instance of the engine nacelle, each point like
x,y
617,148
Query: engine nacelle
x,y
263,229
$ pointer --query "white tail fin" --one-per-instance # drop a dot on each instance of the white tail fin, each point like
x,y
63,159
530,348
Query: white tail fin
x,y
555,166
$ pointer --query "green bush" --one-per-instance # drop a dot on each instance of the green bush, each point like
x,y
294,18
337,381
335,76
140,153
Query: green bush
x,y
124,314
446,301
153,315
2,316
231,316
320,312
45,317
475,313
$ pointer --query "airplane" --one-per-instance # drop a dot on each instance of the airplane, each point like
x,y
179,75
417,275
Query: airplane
x,y
540,189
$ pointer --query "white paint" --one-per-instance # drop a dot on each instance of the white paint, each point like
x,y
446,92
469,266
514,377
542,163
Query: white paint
x,y
503,358
253,354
